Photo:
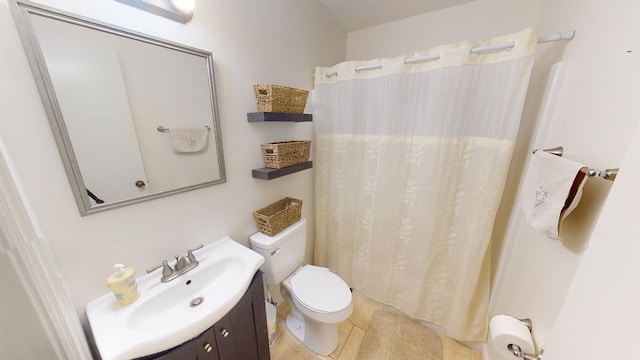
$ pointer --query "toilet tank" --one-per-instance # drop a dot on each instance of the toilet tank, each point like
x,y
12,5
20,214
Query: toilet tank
x,y
283,252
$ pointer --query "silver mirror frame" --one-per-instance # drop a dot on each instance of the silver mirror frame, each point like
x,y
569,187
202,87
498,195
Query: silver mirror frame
x,y
21,11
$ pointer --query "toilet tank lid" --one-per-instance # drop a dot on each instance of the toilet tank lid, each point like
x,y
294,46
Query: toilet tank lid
x,y
264,241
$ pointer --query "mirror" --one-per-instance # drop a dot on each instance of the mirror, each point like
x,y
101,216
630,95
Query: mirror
x,y
134,117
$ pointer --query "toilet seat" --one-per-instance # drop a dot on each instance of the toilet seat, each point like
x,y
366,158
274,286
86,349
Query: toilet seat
x,y
320,290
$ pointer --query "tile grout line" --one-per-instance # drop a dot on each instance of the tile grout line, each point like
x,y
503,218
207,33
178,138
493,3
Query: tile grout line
x,y
346,351
281,333
345,341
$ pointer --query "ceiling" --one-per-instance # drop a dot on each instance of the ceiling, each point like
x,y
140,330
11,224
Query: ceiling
x,y
354,15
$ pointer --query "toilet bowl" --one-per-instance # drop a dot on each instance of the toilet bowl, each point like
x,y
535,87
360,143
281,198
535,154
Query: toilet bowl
x,y
320,294
318,299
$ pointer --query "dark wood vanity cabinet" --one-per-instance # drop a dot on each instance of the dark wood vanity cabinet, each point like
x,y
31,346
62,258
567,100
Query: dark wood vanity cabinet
x,y
239,335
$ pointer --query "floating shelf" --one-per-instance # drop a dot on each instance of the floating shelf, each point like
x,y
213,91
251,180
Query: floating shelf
x,y
268,173
274,116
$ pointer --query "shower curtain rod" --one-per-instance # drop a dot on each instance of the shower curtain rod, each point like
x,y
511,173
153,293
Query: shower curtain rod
x,y
567,35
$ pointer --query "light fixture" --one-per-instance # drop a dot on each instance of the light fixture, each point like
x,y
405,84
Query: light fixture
x,y
184,6
178,10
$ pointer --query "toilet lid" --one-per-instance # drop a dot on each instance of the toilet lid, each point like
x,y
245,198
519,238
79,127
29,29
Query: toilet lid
x,y
321,290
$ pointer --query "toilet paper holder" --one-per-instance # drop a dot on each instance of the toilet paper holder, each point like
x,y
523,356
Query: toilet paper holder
x,y
515,349
517,352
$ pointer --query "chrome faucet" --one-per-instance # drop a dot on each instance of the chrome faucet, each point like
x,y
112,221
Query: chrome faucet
x,y
183,265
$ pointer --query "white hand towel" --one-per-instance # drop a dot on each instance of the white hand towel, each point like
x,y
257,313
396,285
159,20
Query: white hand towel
x,y
552,189
189,140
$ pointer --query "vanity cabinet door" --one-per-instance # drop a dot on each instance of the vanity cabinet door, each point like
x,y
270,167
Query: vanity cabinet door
x,y
206,347
236,334
225,336
242,333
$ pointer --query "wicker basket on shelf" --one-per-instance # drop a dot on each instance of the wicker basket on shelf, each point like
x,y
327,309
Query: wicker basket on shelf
x,y
278,216
276,98
281,154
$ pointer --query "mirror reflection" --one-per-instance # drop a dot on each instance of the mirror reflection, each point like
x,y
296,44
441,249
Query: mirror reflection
x,y
135,117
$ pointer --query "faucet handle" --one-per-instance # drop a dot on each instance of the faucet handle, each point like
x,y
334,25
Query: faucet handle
x,y
166,269
196,248
154,268
190,255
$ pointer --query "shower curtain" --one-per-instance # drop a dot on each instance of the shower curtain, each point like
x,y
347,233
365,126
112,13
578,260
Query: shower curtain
x,y
411,161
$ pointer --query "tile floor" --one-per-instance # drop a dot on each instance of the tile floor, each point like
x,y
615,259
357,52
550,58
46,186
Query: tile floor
x,y
351,332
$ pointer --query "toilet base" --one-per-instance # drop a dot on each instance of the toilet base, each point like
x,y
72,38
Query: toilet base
x,y
296,327
317,337
321,338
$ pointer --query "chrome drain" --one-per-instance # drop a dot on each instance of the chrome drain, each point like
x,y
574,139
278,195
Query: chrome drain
x,y
197,301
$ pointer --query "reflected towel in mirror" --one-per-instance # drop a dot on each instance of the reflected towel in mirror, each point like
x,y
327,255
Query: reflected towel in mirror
x,y
189,140
552,189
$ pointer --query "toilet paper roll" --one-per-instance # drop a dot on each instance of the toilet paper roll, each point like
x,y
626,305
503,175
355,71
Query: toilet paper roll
x,y
506,330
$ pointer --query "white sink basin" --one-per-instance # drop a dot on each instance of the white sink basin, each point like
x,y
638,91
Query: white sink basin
x,y
163,316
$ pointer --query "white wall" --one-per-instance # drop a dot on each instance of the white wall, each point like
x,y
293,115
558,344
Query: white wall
x,y
594,120
279,41
600,314
599,319
22,335
478,19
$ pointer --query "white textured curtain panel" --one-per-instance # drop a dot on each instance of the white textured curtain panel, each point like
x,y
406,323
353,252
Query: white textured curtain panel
x,y
411,161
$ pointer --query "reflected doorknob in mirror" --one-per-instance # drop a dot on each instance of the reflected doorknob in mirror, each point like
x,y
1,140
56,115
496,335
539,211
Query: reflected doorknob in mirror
x,y
140,184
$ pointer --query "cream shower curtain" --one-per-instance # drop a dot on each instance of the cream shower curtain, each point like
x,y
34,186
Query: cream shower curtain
x,y
411,161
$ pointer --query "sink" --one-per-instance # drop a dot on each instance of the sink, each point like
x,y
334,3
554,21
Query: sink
x,y
169,314
168,305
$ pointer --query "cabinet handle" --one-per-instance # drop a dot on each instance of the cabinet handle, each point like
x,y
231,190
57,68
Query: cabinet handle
x,y
207,347
224,332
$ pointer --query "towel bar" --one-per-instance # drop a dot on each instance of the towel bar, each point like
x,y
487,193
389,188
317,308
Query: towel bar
x,y
607,174
163,129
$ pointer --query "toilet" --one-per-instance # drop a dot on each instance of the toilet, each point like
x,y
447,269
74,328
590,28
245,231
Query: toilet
x,y
318,298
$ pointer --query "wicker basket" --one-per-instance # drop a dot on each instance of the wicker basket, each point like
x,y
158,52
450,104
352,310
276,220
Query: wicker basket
x,y
276,98
281,154
278,216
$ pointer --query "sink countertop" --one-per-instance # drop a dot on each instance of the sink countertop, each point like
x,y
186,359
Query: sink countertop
x,y
162,318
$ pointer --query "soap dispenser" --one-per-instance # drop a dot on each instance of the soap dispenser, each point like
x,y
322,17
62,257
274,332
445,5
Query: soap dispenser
x,y
123,284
